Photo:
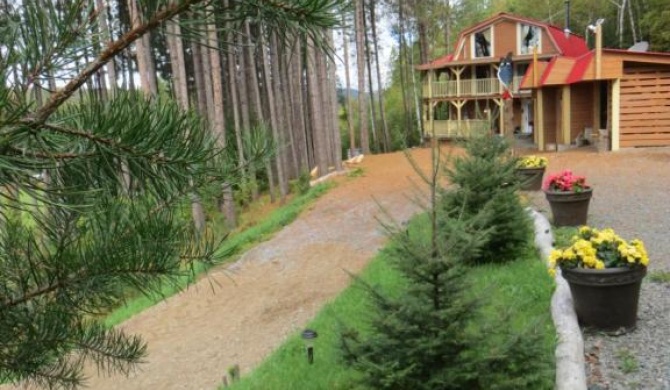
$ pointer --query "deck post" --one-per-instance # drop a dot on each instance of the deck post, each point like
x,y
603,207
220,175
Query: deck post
x,y
566,116
616,112
539,119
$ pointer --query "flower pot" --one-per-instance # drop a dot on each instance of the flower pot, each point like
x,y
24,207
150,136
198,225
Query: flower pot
x,y
569,208
605,299
530,178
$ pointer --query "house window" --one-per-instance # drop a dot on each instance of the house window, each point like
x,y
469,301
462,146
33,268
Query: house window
x,y
529,37
482,43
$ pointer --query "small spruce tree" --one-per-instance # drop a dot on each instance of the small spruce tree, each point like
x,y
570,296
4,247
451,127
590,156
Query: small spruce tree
x,y
431,334
484,180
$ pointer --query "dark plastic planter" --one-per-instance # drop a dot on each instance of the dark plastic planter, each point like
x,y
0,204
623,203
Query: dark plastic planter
x,y
606,299
530,178
569,208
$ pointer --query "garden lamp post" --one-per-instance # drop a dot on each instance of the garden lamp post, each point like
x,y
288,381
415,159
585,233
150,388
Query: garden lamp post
x,y
308,337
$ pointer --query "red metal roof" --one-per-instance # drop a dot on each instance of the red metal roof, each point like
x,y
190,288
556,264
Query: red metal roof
x,y
577,73
571,46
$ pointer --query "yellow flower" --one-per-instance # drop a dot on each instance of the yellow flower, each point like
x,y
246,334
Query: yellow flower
x,y
552,272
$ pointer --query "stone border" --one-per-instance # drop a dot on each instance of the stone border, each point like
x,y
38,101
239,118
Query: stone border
x,y
570,372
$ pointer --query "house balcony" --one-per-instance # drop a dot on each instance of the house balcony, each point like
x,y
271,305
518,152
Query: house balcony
x,y
454,129
489,87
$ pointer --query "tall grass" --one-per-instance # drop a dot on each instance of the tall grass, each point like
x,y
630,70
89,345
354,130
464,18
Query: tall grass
x,y
522,285
232,246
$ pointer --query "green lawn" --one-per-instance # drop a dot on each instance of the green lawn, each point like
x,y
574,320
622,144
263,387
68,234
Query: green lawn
x,y
523,285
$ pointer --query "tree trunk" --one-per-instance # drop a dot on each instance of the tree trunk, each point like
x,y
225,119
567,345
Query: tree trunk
x,y
360,61
298,107
143,53
274,121
380,90
347,92
315,106
334,109
368,67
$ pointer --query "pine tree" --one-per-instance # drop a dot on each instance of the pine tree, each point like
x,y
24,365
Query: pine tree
x,y
74,239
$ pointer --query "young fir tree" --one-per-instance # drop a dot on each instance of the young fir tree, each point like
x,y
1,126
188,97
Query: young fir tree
x,y
431,334
91,189
484,179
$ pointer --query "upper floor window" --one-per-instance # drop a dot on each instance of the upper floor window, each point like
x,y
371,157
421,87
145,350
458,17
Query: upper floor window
x,y
481,43
529,36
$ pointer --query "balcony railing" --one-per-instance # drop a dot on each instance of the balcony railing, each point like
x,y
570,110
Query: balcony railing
x,y
468,87
457,129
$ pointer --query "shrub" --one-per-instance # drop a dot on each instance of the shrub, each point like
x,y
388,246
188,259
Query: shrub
x,y
485,183
433,334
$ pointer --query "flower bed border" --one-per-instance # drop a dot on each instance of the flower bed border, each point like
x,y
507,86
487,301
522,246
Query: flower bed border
x,y
570,372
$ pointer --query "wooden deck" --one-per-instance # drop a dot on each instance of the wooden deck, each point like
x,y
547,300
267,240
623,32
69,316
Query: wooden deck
x,y
453,129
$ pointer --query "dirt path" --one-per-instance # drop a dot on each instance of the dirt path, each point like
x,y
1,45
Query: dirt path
x,y
239,314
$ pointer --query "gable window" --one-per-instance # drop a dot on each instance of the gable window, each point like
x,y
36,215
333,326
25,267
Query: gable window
x,y
529,36
482,43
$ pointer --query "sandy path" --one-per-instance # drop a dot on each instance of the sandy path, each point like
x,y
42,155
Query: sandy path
x,y
239,314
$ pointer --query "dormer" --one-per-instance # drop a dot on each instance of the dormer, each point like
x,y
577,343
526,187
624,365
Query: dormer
x,y
503,33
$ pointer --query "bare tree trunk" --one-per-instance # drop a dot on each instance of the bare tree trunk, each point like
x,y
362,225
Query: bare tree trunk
x,y
207,78
198,75
360,61
298,107
368,67
402,64
106,35
252,72
326,121
380,90
334,117
143,53
315,106
274,122
347,93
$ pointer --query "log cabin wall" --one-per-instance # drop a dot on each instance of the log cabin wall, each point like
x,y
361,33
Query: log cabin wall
x,y
551,103
645,106
581,107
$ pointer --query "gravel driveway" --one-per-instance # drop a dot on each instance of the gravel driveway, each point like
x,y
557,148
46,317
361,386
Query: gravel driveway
x,y
632,196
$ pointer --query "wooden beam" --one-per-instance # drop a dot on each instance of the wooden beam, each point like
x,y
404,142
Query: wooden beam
x,y
596,108
431,119
566,116
539,119
616,113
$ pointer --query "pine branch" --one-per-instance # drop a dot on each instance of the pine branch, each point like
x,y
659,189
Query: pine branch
x,y
113,49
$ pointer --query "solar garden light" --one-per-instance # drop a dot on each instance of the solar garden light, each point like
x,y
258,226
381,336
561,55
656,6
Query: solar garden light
x,y
308,336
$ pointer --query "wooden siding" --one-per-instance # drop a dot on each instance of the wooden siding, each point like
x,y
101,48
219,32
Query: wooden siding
x,y
505,41
581,108
551,105
547,44
645,106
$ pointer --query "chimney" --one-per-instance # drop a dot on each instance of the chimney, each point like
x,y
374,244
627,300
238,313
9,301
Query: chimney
x,y
567,19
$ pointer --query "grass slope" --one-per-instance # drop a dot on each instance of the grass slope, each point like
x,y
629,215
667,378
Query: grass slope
x,y
523,285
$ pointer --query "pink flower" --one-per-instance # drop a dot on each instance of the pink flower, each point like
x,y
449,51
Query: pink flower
x,y
565,181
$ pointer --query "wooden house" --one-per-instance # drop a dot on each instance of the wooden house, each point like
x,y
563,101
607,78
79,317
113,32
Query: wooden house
x,y
562,93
